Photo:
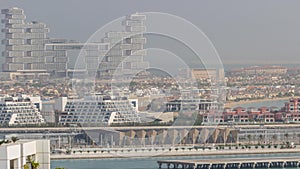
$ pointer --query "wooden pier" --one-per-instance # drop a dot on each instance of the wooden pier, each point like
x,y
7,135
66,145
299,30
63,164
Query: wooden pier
x,y
231,163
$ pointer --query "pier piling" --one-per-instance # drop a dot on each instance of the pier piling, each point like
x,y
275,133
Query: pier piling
x,y
243,163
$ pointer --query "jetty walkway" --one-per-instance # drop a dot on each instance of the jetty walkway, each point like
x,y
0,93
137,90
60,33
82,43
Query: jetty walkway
x,y
231,163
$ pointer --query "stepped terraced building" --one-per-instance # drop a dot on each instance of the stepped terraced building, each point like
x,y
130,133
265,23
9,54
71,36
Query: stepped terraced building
x,y
99,110
19,111
25,49
126,52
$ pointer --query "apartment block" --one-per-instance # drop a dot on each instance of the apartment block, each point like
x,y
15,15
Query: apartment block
x,y
99,111
25,46
20,110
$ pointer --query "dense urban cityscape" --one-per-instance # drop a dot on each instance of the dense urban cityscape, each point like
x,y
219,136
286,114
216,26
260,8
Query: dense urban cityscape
x,y
113,103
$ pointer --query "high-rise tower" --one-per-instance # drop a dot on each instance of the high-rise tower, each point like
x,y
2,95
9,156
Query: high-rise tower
x,y
125,56
25,48
29,50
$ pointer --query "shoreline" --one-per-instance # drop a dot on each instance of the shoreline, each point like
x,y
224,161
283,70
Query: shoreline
x,y
232,104
174,154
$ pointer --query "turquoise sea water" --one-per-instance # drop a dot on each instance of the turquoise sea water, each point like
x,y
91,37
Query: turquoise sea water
x,y
142,163
275,103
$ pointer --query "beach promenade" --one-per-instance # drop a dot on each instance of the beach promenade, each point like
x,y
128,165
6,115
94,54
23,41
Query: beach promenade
x,y
165,151
231,163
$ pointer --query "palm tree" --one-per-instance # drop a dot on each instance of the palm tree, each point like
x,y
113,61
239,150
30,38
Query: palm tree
x,y
249,138
260,138
298,135
286,135
14,139
274,138
26,166
294,137
35,165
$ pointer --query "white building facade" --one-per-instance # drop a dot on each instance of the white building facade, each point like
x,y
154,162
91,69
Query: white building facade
x,y
30,53
125,56
99,110
16,155
19,110
25,48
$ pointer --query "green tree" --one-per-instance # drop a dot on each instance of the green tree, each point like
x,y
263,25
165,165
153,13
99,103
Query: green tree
x,y
35,165
14,139
26,166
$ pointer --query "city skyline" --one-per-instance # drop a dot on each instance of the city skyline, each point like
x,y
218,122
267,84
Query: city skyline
x,y
259,32
214,83
28,48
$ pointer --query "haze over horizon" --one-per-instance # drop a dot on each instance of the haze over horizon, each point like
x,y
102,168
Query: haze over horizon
x,y
248,32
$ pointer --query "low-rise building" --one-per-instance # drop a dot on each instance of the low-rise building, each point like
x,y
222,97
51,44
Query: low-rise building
x,y
261,70
293,105
292,117
268,117
200,105
241,115
213,117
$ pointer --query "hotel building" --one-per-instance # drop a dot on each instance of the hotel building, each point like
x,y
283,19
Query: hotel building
x,y
30,53
21,110
125,56
192,100
25,49
99,111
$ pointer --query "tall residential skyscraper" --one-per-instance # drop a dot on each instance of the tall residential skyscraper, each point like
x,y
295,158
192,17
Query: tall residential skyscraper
x,y
25,48
29,50
125,52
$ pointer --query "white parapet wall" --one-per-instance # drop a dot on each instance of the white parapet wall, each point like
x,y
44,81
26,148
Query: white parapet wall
x,y
15,155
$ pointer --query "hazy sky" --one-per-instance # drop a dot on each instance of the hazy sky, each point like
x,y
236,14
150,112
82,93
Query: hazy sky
x,y
252,31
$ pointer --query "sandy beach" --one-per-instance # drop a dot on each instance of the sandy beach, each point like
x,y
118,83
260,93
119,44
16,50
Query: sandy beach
x,y
233,104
